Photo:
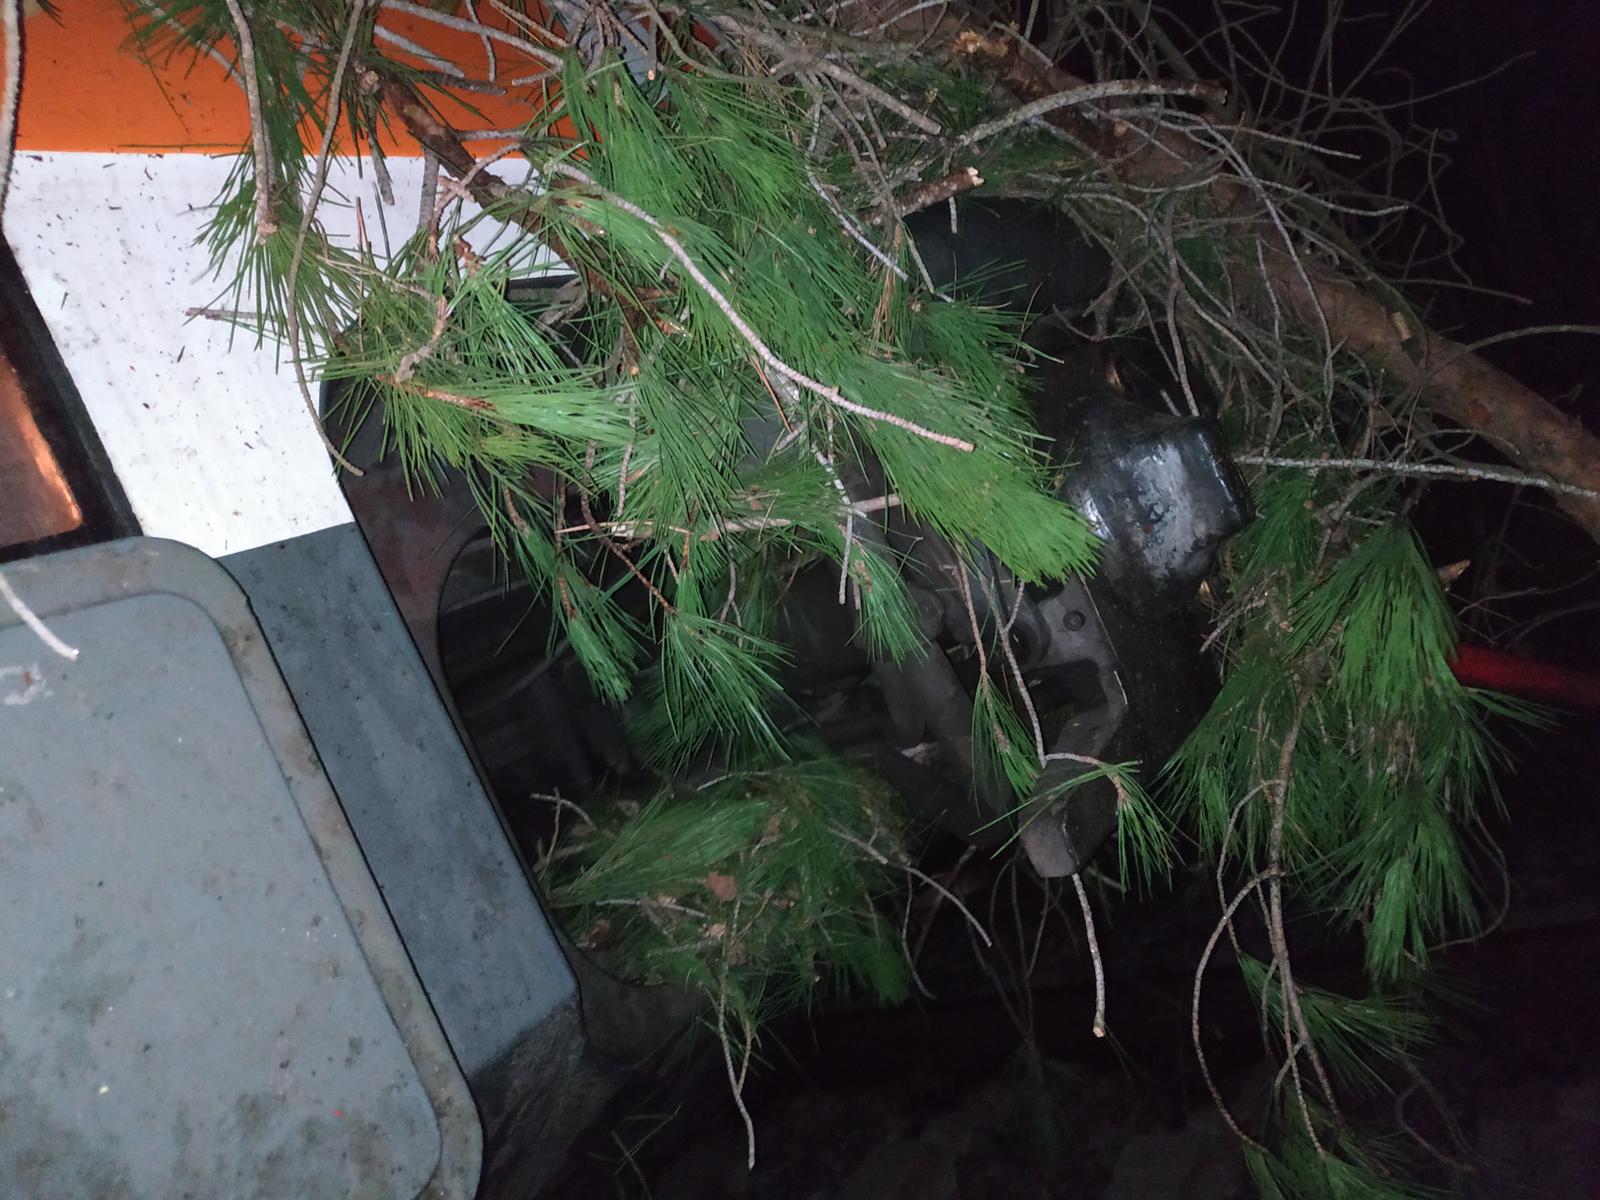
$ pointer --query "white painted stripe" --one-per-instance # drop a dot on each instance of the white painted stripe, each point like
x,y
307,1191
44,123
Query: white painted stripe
x,y
210,441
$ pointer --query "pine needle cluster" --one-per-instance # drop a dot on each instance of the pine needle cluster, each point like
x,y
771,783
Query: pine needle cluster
x,y
753,890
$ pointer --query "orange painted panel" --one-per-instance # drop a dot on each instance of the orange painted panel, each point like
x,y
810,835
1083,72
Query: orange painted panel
x,y
85,88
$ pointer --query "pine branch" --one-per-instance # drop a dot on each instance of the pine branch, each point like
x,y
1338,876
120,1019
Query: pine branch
x,y
831,394
798,56
484,187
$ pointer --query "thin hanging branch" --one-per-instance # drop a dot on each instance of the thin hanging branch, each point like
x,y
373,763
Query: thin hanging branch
x,y
943,892
736,1079
1194,1005
1099,1026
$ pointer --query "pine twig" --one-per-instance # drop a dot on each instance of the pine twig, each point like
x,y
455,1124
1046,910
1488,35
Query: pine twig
x,y
488,42
797,58
266,223
621,555
630,530
460,187
429,191
1099,1026
1292,1011
415,358
471,403
238,316
526,22
307,214
1024,692
736,1080
852,229
876,94
421,53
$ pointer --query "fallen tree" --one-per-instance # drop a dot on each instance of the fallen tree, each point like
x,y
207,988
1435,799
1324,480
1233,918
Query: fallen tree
x,y
727,183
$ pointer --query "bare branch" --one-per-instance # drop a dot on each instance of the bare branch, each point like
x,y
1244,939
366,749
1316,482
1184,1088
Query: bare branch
x,y
736,1080
404,44
1420,470
797,57
1194,1007
307,215
1085,93
488,43
266,224
415,358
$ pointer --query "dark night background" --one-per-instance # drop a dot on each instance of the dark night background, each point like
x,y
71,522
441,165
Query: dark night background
x,y
937,1103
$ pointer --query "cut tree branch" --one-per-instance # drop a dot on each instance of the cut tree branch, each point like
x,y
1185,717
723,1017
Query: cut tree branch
x,y
937,191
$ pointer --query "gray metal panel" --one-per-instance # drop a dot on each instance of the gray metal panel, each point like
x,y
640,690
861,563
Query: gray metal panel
x,y
458,893
200,993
